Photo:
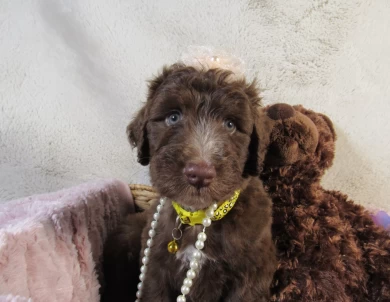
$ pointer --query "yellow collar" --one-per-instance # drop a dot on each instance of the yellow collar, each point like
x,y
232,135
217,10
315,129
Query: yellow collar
x,y
193,218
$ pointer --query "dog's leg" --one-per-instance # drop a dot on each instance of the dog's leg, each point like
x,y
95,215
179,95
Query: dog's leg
x,y
253,285
158,289
121,260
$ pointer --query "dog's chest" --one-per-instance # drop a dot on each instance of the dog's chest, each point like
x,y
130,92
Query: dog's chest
x,y
185,256
180,261
185,253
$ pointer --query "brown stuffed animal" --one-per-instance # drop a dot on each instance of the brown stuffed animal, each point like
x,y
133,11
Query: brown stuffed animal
x,y
329,248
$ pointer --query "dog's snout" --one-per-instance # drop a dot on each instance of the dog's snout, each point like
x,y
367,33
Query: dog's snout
x,y
199,174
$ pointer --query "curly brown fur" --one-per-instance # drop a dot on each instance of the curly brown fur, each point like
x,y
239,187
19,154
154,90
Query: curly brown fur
x,y
328,247
239,258
374,242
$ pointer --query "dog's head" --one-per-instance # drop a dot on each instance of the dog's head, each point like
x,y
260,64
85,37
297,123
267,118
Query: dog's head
x,y
198,132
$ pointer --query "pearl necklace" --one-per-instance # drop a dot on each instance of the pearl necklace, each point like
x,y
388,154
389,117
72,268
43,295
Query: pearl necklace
x,y
196,256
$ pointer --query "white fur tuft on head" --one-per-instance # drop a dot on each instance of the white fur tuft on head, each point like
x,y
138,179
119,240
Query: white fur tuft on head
x,y
202,57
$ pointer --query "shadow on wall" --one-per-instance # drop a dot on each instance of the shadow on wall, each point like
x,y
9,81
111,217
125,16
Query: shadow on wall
x,y
351,173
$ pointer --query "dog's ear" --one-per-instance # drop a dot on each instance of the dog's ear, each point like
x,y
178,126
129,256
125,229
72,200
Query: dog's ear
x,y
138,136
257,145
252,166
136,130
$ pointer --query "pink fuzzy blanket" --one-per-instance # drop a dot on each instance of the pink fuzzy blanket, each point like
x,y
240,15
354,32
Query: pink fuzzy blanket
x,y
51,245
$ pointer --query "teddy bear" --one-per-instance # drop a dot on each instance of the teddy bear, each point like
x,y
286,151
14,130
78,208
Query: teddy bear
x,y
329,248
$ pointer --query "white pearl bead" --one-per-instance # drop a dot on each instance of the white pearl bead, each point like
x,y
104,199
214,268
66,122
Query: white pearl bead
x,y
185,290
145,260
159,208
138,294
197,255
187,282
181,299
149,243
147,251
154,224
156,216
163,200
139,286
206,222
209,213
191,274
202,236
194,265
143,269
199,244
142,277
152,233
214,206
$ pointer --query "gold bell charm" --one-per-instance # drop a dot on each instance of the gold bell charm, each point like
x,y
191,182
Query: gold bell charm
x,y
173,247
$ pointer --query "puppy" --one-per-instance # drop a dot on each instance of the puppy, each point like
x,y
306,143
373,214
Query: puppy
x,y
199,134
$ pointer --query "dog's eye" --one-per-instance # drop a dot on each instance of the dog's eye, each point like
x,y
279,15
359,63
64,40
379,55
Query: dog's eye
x,y
173,118
229,125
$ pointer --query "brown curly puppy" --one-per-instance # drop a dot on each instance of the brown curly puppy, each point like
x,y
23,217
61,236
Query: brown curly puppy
x,y
199,133
329,249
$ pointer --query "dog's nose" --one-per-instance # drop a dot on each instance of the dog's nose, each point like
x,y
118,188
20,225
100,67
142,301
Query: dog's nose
x,y
280,111
199,174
